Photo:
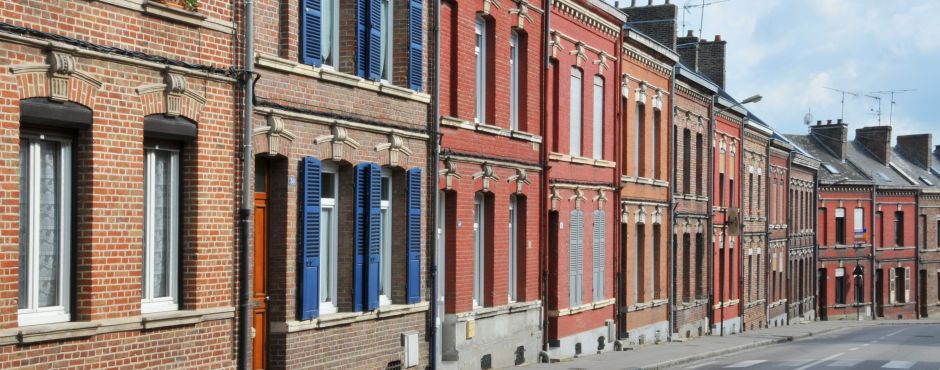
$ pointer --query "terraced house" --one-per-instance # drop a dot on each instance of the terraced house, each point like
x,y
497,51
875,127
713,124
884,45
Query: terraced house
x,y
340,184
753,245
119,173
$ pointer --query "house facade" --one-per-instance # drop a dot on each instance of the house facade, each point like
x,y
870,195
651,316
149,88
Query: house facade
x,y
341,187
801,227
776,260
754,241
583,89
726,217
119,172
491,183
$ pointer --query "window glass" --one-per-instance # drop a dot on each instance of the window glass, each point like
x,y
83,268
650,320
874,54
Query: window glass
x,y
161,171
576,118
514,81
385,266
328,240
598,114
480,51
386,39
328,34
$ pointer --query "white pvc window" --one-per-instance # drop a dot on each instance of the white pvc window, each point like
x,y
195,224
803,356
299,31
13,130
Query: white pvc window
x,y
386,39
598,124
45,235
478,250
329,33
385,266
513,251
329,250
161,229
480,51
574,126
514,81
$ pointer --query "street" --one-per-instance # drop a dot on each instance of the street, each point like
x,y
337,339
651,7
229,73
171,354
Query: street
x,y
909,346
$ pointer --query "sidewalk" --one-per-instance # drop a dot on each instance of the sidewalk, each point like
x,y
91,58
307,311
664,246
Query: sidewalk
x,y
675,354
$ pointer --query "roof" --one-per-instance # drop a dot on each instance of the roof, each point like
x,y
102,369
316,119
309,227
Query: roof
x,y
833,169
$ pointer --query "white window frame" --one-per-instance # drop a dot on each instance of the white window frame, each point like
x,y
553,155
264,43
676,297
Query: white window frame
x,y
329,245
479,220
514,81
513,249
598,117
576,109
32,314
388,25
329,45
385,253
480,51
169,302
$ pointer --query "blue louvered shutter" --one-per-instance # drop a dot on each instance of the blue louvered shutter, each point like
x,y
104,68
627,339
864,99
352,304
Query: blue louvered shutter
x,y
309,248
414,235
375,40
362,39
310,42
361,187
374,233
416,44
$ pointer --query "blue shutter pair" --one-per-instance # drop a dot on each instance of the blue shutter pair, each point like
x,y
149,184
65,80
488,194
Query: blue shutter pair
x,y
369,40
310,33
414,235
367,236
309,239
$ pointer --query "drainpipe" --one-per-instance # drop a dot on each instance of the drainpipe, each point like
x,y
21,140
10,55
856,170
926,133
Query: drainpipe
x,y
710,224
874,249
619,114
767,261
786,252
917,249
672,203
244,214
815,245
437,254
543,178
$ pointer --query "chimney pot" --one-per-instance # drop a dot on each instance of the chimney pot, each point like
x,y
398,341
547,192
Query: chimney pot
x,y
829,122
819,122
650,3
690,34
667,2
840,121
717,38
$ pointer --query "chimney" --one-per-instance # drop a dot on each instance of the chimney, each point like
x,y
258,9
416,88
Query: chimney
x,y
711,60
833,137
877,139
688,53
663,30
917,149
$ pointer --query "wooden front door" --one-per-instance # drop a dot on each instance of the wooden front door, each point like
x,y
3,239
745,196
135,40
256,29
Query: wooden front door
x,y
260,282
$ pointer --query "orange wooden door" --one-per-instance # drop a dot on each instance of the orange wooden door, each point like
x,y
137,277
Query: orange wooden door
x,y
260,282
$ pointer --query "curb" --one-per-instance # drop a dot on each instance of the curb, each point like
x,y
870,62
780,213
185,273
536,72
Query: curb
x,y
761,343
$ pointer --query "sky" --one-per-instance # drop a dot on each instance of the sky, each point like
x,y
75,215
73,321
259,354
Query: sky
x,y
789,51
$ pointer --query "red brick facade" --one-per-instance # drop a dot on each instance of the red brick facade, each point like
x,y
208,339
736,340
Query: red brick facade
x,y
754,242
726,222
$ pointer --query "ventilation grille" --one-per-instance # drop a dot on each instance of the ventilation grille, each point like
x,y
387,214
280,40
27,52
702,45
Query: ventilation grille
x,y
394,365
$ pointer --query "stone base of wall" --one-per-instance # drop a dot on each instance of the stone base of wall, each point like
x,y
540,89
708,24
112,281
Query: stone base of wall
x,y
730,326
591,342
649,334
509,337
692,321
776,321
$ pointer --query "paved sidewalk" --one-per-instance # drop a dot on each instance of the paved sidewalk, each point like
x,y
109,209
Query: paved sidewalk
x,y
674,354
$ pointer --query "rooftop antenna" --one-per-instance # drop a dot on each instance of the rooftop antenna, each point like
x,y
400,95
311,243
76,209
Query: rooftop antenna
x,y
844,93
687,9
876,111
893,102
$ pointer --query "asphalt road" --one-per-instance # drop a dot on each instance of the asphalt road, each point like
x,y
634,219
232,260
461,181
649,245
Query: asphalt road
x,y
914,346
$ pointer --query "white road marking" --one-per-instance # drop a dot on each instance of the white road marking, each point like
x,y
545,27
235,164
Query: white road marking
x,y
814,363
748,363
702,365
845,363
795,363
866,344
898,365
892,334
853,349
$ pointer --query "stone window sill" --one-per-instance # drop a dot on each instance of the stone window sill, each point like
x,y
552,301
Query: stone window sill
x,y
555,156
490,129
85,329
726,304
485,312
582,308
158,10
345,318
287,66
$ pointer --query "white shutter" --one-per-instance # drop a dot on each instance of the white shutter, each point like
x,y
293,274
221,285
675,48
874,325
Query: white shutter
x,y
893,284
576,257
599,250
907,284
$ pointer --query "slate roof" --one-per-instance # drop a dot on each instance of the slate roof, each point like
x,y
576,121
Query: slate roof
x,y
843,170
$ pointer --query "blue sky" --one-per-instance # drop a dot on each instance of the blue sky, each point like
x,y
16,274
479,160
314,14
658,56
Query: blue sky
x,y
790,50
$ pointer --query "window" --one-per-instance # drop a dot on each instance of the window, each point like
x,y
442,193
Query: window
x,y
657,136
598,125
859,225
750,193
388,20
639,150
758,274
733,270
938,236
599,253
513,247
700,276
329,28
687,161
480,51
749,289
478,249
639,264
840,286
385,253
329,250
654,267
514,81
840,226
759,202
900,285
899,228
45,235
686,267
700,168
575,122
721,189
880,219
161,229
576,258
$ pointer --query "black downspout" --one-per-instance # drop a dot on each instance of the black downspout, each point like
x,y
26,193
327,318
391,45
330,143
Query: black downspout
x,y
874,249
543,163
244,213
433,169
672,203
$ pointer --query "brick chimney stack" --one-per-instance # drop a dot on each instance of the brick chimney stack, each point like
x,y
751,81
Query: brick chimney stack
x,y
655,21
833,136
688,52
877,139
917,148
711,60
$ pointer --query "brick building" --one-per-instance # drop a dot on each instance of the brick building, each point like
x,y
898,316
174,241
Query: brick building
x,y
583,89
775,260
799,199
645,175
119,178
691,126
929,257
754,241
491,194
340,184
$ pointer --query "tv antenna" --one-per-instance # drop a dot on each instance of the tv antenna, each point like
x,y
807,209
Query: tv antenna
x,y
687,9
844,93
877,110
893,102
